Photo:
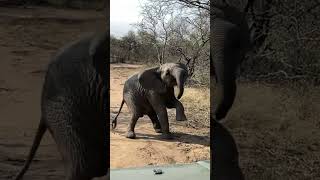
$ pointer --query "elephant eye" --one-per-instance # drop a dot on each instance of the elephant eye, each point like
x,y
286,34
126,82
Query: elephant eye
x,y
167,73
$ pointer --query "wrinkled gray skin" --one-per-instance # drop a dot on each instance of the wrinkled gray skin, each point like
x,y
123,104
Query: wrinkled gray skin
x,y
72,108
225,156
230,41
150,92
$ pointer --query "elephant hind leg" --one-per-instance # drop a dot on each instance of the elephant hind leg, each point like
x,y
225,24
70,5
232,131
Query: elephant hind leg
x,y
81,148
131,134
155,121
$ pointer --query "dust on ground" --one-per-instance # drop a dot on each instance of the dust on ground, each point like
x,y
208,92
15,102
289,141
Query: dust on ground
x,y
29,38
189,145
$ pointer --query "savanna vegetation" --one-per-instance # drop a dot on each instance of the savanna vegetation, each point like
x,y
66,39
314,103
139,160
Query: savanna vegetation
x,y
168,32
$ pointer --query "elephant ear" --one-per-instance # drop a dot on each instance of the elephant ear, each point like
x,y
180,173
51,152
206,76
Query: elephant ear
x,y
99,51
150,79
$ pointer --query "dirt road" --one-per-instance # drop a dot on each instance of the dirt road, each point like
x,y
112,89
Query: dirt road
x,y
148,149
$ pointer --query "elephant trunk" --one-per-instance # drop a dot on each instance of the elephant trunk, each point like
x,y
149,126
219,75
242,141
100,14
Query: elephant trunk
x,y
225,95
180,75
225,72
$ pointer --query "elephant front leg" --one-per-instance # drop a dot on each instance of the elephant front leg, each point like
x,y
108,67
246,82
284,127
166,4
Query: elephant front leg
x,y
180,116
159,106
163,118
161,112
156,124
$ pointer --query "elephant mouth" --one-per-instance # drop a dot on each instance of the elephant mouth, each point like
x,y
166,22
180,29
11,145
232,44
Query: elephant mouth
x,y
173,82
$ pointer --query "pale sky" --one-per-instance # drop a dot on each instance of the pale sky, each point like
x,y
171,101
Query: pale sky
x,y
122,14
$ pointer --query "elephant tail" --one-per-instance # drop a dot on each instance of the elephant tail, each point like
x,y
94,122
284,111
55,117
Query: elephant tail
x,y
40,132
114,122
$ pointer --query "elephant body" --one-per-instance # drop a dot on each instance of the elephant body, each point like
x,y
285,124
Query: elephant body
x,y
135,96
138,98
72,108
150,92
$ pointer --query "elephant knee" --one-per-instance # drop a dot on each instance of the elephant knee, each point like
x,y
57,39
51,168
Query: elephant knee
x,y
170,105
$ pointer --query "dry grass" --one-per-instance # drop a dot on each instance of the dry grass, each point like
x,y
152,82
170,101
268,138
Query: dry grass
x,y
277,131
197,106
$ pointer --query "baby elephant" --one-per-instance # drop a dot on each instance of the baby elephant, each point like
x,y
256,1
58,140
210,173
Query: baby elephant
x,y
150,92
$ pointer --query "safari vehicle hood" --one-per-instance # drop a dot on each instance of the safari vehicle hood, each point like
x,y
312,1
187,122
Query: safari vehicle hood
x,y
199,170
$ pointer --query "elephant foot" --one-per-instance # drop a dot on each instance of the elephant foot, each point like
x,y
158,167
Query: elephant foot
x,y
131,135
167,136
158,130
181,117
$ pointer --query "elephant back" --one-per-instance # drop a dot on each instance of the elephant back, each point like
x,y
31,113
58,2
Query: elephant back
x,y
135,96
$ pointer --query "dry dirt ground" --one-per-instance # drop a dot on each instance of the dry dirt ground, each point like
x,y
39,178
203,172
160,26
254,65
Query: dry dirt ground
x,y
28,39
276,128
190,144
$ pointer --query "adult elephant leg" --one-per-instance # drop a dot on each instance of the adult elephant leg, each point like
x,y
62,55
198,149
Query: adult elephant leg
x,y
131,134
155,121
